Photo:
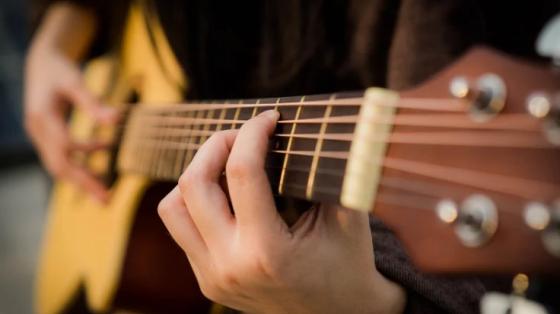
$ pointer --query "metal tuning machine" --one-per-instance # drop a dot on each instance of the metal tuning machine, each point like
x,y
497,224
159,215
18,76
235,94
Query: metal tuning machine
x,y
544,106
548,43
486,95
475,220
545,219
514,303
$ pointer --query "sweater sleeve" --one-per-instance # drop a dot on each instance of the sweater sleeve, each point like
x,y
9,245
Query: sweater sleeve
x,y
425,293
110,18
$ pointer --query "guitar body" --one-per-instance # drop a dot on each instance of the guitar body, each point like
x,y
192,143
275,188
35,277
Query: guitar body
x,y
85,242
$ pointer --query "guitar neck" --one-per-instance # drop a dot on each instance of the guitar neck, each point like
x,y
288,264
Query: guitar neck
x,y
308,155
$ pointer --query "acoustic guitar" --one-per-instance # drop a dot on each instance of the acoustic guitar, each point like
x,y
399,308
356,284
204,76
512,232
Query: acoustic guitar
x,y
465,169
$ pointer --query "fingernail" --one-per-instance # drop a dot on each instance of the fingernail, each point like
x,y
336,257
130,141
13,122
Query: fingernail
x,y
271,114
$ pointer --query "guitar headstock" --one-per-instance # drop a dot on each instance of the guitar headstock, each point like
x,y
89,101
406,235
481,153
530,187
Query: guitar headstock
x,y
471,179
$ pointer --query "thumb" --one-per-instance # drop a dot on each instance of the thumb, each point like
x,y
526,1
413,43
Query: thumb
x,y
81,97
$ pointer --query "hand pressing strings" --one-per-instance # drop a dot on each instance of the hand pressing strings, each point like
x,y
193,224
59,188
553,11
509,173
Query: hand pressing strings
x,y
248,259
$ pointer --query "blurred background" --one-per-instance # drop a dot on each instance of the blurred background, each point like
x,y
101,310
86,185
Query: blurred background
x,y
23,185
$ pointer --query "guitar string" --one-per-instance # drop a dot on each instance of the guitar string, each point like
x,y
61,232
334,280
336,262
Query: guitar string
x,y
526,188
452,138
429,104
512,121
420,188
347,119
443,104
419,201
507,205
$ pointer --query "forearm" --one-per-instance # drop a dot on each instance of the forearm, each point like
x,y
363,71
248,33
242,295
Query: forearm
x,y
424,293
66,28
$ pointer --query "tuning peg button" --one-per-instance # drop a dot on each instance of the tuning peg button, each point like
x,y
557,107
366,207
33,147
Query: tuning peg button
x,y
547,107
486,95
545,219
539,104
459,87
447,211
548,43
551,235
537,216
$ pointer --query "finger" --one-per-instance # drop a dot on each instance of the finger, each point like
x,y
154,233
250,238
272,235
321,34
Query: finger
x,y
176,217
54,147
248,184
81,97
201,189
87,181
51,138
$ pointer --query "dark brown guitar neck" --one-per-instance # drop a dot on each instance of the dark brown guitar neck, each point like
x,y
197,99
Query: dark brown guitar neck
x,y
467,171
307,157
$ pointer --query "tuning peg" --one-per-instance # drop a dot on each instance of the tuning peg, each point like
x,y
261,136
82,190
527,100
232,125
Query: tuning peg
x,y
547,107
486,95
495,302
475,220
548,43
551,235
545,219
514,303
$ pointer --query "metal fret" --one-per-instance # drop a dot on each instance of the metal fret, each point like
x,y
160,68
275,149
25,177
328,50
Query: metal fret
x,y
288,148
192,138
128,154
187,139
159,146
207,126
164,166
222,116
156,156
236,115
318,146
254,113
180,158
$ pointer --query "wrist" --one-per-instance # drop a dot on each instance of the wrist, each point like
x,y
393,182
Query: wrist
x,y
66,30
390,297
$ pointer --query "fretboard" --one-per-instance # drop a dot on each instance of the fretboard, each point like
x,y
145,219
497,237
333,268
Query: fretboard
x,y
308,152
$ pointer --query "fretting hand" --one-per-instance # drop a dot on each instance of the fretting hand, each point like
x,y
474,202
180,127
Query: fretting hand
x,y
251,260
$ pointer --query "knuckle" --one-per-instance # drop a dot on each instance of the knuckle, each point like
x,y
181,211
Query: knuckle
x,y
239,170
56,168
210,291
163,207
228,279
266,265
187,180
